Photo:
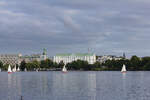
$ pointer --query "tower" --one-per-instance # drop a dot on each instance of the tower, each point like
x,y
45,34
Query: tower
x,y
124,56
44,54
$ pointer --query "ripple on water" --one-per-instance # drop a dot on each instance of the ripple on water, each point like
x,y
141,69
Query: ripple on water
x,y
87,85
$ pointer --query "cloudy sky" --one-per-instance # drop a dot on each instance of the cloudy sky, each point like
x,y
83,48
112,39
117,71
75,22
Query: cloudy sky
x,y
71,26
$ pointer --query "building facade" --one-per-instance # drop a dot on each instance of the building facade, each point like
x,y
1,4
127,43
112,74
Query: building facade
x,y
30,58
67,58
104,58
11,59
34,57
14,59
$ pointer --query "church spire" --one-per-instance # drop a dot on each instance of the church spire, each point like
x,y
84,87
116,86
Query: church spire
x,y
124,55
44,52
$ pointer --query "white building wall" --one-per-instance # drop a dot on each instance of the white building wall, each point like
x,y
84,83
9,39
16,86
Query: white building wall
x,y
71,58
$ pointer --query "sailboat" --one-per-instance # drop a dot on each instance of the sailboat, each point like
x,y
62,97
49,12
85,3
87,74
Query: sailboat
x,y
25,69
123,70
18,69
0,69
14,69
9,69
64,70
37,70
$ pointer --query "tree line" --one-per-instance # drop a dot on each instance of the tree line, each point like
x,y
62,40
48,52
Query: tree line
x,y
133,64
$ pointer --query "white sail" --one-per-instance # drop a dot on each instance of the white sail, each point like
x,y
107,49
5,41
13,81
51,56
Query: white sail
x,y
14,69
37,70
25,70
0,69
123,68
18,69
64,69
9,69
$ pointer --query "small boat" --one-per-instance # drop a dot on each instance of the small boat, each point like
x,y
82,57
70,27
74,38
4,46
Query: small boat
x,y
14,69
64,70
37,70
123,70
18,69
25,69
0,69
9,69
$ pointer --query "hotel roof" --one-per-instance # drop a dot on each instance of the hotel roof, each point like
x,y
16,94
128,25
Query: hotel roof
x,y
75,54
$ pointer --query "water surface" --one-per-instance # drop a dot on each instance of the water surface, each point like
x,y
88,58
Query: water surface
x,y
75,86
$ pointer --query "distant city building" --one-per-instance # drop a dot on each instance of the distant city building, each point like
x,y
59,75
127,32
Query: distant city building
x,y
14,59
11,59
124,55
34,57
67,58
104,58
29,58
44,54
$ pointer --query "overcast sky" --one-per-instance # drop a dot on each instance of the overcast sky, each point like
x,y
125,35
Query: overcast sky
x,y
73,26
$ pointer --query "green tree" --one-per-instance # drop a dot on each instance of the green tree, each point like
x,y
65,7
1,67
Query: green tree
x,y
30,66
147,66
84,65
97,64
135,63
78,65
61,64
115,65
144,61
5,67
73,66
22,65
36,64
46,63
33,65
50,63
1,65
55,65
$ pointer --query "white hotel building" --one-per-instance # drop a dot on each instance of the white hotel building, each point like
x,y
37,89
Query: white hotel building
x,y
11,59
67,58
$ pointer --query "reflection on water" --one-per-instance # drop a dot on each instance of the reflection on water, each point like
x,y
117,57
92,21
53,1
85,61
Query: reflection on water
x,y
75,86
14,87
9,86
124,86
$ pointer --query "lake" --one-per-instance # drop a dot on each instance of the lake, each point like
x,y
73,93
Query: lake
x,y
75,85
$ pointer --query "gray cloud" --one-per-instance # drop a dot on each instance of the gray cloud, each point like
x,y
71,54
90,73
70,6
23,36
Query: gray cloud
x,y
108,27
